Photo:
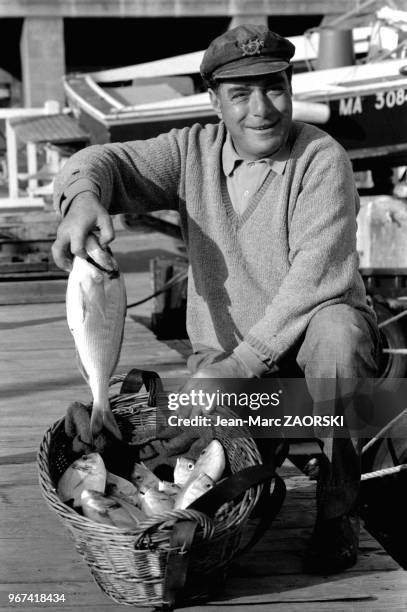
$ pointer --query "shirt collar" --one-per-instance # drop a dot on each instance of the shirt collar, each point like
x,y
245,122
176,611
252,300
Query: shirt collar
x,y
230,158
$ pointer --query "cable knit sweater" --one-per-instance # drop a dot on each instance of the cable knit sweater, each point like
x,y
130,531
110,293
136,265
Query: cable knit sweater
x,y
256,280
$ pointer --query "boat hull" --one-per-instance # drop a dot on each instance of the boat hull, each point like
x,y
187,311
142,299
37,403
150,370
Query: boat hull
x,y
366,109
101,132
370,125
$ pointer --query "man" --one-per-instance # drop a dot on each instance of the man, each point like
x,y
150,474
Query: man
x,y
268,211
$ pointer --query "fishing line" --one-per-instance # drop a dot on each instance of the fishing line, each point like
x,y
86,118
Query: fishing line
x,y
174,280
111,273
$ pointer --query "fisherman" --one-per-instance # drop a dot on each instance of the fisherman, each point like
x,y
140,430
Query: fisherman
x,y
268,211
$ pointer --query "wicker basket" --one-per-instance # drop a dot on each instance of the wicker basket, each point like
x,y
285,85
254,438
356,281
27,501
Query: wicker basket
x,y
130,565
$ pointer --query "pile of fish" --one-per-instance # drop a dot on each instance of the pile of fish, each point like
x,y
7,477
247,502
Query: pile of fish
x,y
113,500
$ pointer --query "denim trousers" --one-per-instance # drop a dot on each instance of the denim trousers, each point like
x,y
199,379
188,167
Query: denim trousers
x,y
338,350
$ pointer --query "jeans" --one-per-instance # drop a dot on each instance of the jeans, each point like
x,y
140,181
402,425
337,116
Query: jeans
x,y
339,347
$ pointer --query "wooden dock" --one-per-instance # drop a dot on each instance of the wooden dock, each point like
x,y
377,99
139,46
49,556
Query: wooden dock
x,y
39,378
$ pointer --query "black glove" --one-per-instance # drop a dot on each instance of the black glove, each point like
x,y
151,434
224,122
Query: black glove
x,y
118,456
77,427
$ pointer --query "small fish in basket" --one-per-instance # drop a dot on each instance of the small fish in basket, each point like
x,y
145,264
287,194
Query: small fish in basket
x,y
169,487
87,472
155,502
143,478
183,470
109,511
194,488
116,486
211,461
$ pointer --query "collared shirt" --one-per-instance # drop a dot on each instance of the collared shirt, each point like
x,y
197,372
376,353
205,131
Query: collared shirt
x,y
244,178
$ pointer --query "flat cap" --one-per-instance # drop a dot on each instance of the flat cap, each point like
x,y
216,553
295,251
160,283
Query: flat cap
x,y
245,51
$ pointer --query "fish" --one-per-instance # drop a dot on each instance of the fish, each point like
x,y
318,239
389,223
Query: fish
x,y
87,472
116,486
169,487
194,488
156,502
96,309
143,478
183,470
211,461
134,511
104,509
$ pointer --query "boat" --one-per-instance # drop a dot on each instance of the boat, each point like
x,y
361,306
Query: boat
x,y
143,100
363,106
367,108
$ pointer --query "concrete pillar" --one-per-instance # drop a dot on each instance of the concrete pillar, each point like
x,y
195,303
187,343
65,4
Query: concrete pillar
x,y
239,19
42,51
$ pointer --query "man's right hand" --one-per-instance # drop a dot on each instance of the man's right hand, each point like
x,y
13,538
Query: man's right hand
x,y
85,215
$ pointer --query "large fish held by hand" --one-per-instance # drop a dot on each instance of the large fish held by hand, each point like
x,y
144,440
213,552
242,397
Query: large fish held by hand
x,y
96,308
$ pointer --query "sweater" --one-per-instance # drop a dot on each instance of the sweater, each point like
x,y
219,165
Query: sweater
x,y
256,279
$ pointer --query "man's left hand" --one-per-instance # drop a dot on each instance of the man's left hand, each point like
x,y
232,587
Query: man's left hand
x,y
230,367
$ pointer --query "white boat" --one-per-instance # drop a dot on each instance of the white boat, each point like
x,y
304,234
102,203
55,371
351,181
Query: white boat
x,y
143,100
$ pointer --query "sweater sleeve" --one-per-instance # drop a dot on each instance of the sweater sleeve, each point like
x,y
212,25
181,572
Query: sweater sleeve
x,y
138,176
322,252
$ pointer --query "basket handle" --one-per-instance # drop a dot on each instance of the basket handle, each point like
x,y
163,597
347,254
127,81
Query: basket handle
x,y
229,489
136,378
176,569
235,486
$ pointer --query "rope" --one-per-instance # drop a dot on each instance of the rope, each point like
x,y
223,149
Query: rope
x,y
392,319
382,433
384,472
174,280
351,13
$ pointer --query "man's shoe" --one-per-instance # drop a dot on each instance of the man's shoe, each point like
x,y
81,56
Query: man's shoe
x,y
333,546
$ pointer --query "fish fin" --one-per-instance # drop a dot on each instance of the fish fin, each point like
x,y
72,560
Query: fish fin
x,y
102,417
110,423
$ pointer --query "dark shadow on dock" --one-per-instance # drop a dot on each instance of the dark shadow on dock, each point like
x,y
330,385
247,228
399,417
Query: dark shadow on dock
x,y
139,260
30,322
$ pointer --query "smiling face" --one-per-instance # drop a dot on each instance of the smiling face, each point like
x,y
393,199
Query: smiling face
x,y
257,113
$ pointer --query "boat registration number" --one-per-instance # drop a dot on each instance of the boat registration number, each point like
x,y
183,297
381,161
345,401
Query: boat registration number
x,y
384,99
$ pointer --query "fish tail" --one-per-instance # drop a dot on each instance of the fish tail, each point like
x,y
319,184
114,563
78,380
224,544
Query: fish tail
x,y
103,418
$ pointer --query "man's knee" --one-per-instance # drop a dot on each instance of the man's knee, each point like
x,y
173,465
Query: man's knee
x,y
339,341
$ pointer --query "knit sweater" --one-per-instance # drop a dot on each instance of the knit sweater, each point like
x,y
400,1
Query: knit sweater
x,y
255,280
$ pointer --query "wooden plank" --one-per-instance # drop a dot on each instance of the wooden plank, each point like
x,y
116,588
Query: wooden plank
x,y
32,292
168,8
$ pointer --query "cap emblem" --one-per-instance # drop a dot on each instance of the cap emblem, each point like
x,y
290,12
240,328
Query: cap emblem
x,y
251,47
